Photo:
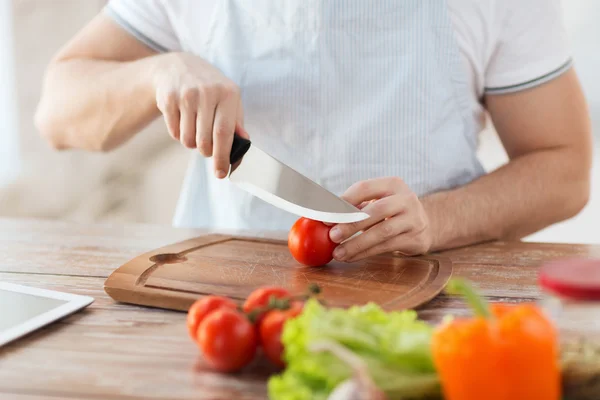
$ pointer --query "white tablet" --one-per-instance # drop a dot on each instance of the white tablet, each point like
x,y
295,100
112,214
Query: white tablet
x,y
24,309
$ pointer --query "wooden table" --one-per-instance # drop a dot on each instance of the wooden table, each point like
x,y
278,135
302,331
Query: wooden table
x,y
115,351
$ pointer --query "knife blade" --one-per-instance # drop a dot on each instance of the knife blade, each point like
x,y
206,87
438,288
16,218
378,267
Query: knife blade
x,y
267,178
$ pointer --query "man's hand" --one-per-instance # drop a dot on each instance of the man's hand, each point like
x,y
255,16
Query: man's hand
x,y
133,85
201,107
546,133
397,222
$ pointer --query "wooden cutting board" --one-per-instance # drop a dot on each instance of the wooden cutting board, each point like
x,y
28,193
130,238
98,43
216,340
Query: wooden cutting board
x,y
173,277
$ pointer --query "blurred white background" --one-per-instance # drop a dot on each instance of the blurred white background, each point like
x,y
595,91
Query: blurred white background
x,y
9,150
140,182
137,183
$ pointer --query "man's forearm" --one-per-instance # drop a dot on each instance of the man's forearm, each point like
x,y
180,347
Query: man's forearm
x,y
520,198
95,104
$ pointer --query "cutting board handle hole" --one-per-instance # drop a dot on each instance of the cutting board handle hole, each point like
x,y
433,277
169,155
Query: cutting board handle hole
x,y
167,258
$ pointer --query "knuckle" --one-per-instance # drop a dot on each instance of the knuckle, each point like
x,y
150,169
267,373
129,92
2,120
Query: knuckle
x,y
357,247
352,227
222,129
387,231
381,207
167,101
189,98
411,225
362,186
205,146
412,198
171,98
421,224
204,92
377,207
209,91
227,89
398,182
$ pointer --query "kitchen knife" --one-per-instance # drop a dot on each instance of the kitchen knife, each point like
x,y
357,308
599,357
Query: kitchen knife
x,y
269,179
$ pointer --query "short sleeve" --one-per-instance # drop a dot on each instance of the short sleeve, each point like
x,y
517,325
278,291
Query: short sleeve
x,y
531,45
147,20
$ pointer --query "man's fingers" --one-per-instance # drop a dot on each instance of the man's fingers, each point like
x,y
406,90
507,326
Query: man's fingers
x,y
187,126
168,104
377,234
407,244
385,247
373,189
378,211
239,126
223,130
204,124
172,120
362,205
188,105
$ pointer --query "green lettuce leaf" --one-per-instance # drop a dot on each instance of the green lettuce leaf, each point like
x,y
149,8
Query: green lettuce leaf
x,y
395,346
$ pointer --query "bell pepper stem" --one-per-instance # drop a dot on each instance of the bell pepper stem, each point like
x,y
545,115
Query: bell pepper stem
x,y
477,303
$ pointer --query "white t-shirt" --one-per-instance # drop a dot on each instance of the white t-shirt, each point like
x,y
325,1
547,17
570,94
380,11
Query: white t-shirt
x,y
507,45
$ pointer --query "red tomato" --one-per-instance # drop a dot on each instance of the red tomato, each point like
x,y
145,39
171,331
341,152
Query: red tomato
x,y
270,331
310,244
260,297
203,307
227,340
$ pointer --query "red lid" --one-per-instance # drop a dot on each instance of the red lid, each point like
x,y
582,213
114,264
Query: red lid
x,y
574,279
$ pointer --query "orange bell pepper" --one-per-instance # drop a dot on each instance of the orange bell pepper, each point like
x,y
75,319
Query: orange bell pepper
x,y
505,352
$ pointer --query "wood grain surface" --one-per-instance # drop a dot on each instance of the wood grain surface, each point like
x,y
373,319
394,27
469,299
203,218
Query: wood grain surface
x,y
119,351
174,276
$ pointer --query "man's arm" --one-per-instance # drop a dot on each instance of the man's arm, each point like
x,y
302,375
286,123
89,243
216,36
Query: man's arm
x,y
547,135
546,132
97,91
105,86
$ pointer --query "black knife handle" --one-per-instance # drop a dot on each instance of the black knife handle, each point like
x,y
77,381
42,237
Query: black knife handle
x,y
239,147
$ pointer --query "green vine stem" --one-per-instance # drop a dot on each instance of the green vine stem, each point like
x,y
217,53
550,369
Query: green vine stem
x,y
477,303
275,303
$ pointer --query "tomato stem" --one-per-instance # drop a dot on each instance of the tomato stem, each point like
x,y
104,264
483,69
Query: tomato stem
x,y
313,288
273,304
276,303
280,304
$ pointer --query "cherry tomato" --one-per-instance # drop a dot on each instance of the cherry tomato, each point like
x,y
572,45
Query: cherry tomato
x,y
227,340
260,297
203,307
309,242
270,330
